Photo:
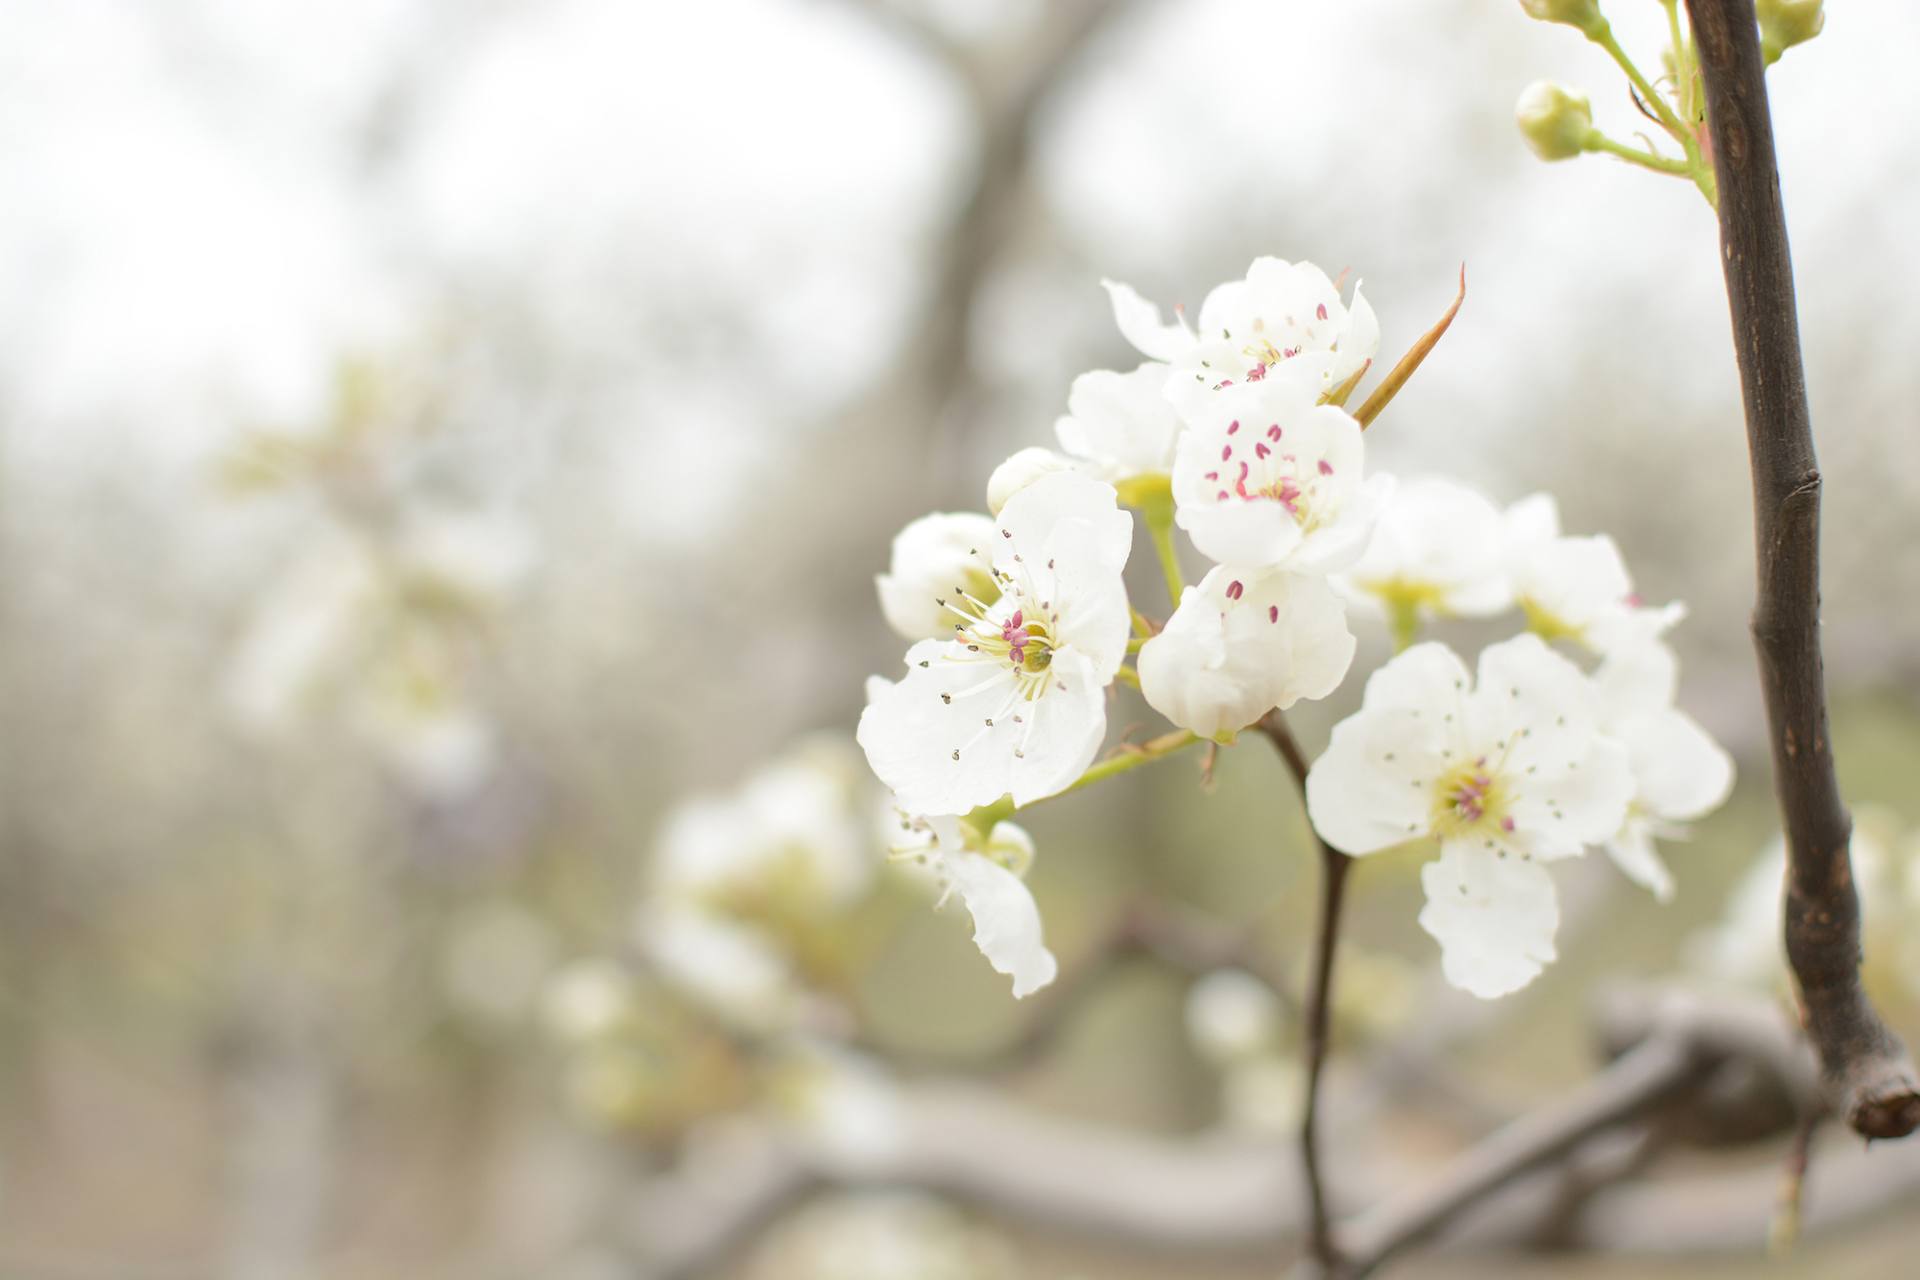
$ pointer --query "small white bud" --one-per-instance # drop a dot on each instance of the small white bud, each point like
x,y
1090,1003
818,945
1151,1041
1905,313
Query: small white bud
x,y
1556,123
1021,470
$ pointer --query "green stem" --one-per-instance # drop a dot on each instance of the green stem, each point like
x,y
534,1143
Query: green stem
x,y
1161,531
1403,619
1683,132
1132,758
982,819
1655,100
1598,141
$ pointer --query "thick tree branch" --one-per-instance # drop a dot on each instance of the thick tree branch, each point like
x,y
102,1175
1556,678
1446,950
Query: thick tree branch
x,y
1653,1071
1334,866
1869,1075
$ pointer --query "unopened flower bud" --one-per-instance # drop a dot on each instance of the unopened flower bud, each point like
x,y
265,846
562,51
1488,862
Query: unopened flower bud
x,y
1021,470
1557,124
1786,23
1584,14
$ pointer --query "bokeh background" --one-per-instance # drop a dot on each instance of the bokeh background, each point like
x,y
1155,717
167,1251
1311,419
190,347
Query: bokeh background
x,y
438,436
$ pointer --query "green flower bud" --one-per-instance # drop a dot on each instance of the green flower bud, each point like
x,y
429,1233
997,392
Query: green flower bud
x,y
1556,123
1584,14
1786,23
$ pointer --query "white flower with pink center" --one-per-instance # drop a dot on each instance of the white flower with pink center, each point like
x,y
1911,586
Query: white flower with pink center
x,y
987,874
1680,773
1577,588
1438,550
1242,643
1282,314
1013,703
1505,773
1268,477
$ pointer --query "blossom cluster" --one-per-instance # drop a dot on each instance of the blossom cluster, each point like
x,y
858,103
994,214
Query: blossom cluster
x,y
734,988
1237,432
381,619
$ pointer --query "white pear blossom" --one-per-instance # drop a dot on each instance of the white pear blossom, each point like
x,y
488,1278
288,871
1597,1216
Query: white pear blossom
x,y
1241,644
934,557
1505,773
1680,773
1016,473
790,829
1577,588
987,876
1014,703
1439,550
1280,314
1268,477
1120,425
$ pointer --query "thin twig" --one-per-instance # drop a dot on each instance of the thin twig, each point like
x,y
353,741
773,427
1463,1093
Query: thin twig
x,y
1334,866
1869,1075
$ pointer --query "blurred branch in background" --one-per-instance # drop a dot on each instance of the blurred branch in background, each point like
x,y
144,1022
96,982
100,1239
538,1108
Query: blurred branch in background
x,y
1690,1071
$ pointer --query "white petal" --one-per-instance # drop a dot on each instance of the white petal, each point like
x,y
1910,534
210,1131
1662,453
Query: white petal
x,y
1557,817
1532,698
1638,678
1031,515
1532,521
1681,772
1121,422
931,557
1576,581
1089,593
1337,544
1006,921
1140,324
1373,787
1633,851
1228,656
1361,342
1494,918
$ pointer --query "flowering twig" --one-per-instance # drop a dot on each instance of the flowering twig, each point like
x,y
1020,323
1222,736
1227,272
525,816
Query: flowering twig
x,y
1869,1076
1334,866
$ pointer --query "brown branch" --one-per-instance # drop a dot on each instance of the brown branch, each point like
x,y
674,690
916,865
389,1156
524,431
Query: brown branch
x,y
1334,866
1655,1070
1869,1075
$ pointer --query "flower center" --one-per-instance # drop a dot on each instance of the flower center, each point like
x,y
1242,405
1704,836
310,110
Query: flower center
x,y
1470,798
1023,639
1268,473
